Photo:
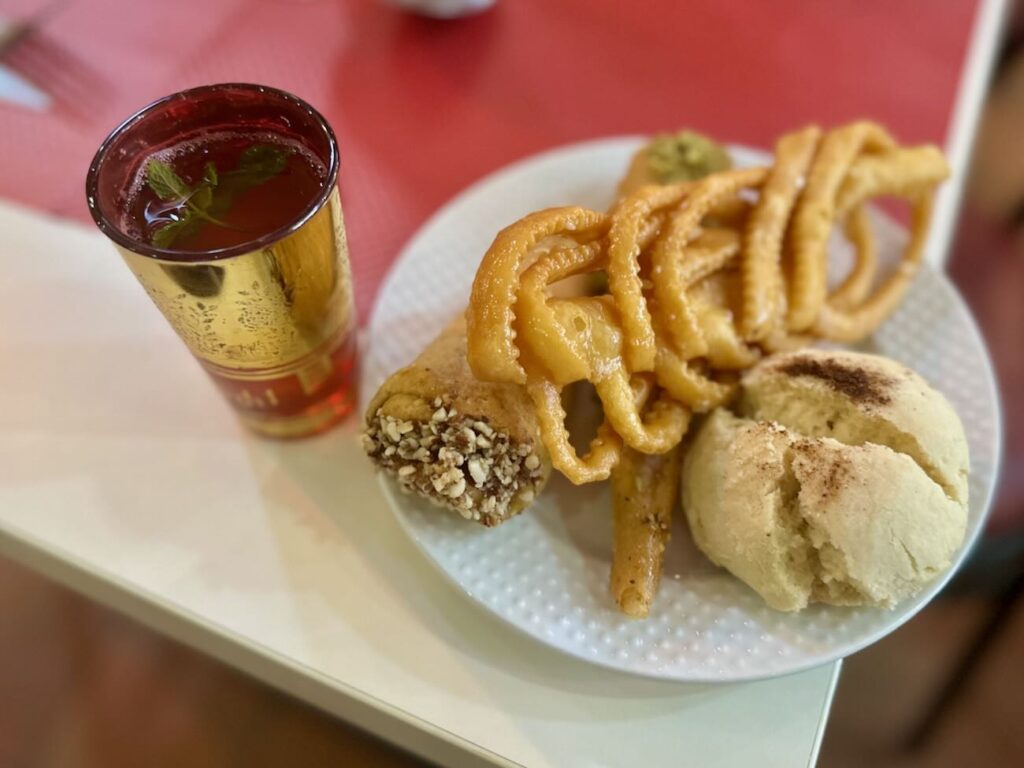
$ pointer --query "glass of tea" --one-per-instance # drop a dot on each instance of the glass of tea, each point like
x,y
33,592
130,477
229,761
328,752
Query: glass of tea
x,y
223,200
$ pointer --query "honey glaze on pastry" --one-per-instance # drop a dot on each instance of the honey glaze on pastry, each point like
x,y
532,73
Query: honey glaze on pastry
x,y
769,225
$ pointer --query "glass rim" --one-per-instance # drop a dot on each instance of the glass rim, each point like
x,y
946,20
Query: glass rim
x,y
142,248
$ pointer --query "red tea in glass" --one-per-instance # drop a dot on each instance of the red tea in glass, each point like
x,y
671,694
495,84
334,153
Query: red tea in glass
x,y
223,201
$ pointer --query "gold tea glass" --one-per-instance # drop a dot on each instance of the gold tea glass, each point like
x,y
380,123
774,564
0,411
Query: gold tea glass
x,y
272,320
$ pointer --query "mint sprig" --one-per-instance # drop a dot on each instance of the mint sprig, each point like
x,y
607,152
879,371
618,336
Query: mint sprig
x,y
165,182
210,200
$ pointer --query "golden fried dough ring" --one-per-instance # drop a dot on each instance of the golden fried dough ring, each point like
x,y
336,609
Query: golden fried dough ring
x,y
666,421
901,172
816,212
685,384
662,428
781,341
550,334
838,325
762,252
672,271
492,352
713,250
714,301
856,285
726,350
576,339
604,448
911,173
628,235
669,309
682,381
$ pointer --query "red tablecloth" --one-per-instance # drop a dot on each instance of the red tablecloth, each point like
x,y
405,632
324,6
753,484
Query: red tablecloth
x,y
423,108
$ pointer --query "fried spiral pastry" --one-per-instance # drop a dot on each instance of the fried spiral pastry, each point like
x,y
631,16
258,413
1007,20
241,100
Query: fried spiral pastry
x,y
702,277
578,339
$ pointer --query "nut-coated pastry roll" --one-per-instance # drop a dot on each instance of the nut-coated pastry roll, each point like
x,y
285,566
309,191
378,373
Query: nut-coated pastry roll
x,y
470,446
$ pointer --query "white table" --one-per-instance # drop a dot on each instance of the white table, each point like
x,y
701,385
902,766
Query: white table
x,y
124,476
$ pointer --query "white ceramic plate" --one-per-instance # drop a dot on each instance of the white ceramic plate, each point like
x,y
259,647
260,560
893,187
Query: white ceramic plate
x,y
546,571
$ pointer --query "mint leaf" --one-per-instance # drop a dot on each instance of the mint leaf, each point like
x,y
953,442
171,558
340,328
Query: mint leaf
x,y
203,197
256,165
170,232
216,193
165,182
260,163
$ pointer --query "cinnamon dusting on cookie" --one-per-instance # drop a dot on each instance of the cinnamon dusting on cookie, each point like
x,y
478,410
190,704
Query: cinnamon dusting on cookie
x,y
859,384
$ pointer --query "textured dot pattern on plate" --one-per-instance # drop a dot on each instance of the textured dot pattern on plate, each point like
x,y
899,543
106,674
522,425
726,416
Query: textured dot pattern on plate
x,y
546,572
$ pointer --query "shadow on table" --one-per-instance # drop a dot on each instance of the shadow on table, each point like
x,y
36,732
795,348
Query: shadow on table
x,y
331,472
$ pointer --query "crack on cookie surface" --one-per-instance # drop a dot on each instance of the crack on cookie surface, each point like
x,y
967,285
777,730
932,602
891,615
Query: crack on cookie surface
x,y
821,564
846,425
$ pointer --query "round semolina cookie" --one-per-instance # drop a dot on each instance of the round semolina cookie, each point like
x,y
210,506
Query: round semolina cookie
x,y
843,480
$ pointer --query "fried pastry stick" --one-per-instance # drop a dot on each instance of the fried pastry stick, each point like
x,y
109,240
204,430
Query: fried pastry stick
x,y
645,489
471,446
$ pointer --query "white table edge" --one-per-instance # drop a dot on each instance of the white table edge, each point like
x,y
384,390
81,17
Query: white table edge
x,y
979,64
826,707
356,707
375,716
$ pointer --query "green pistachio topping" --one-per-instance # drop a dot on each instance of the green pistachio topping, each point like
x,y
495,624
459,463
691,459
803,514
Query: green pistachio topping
x,y
685,156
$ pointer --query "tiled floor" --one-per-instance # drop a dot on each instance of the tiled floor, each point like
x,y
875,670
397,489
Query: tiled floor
x,y
82,687
883,690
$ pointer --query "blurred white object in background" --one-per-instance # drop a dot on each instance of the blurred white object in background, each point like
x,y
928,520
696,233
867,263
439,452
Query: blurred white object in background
x,y
14,88
443,9
17,90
